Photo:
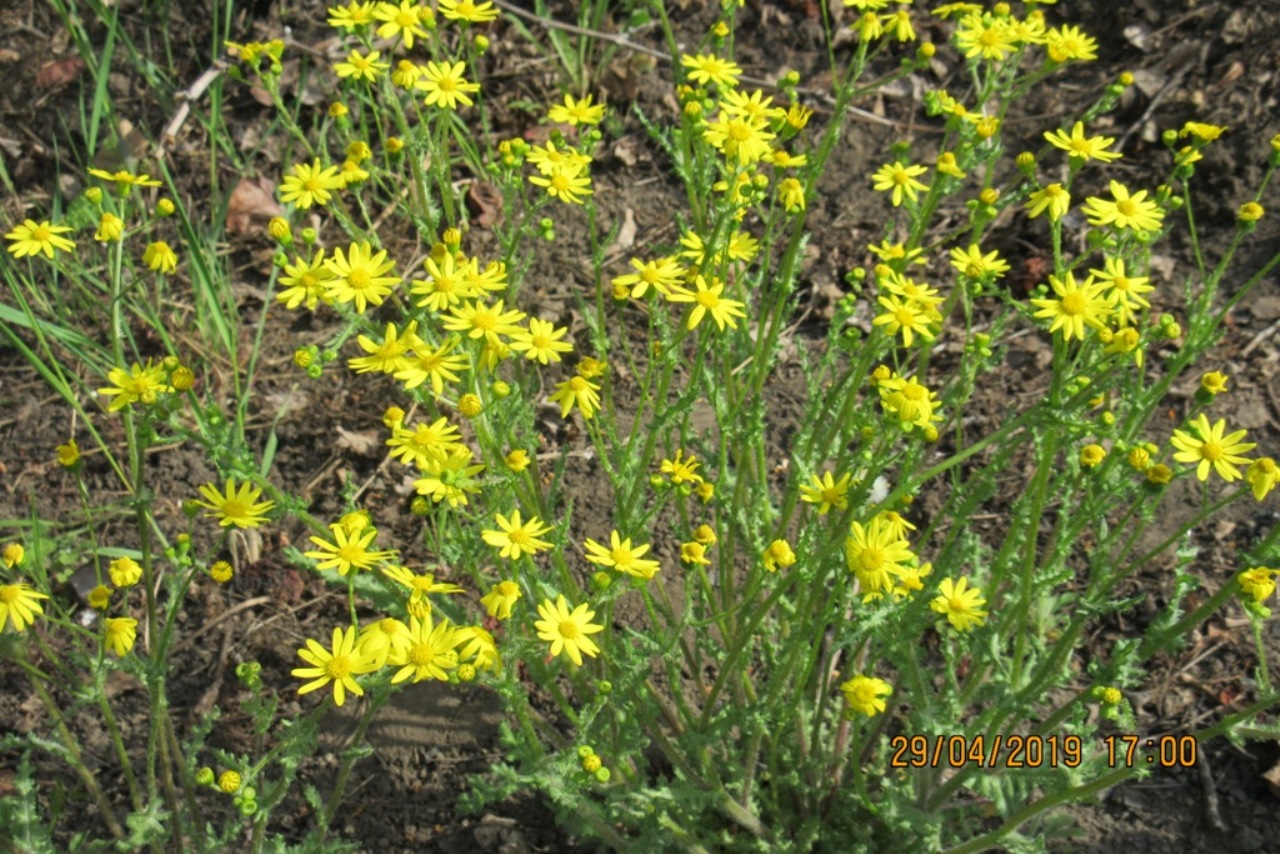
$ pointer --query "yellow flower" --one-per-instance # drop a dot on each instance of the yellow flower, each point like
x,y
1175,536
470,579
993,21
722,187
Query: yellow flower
x,y
19,605
577,390
450,478
406,74
875,555
682,469
694,553
778,556
499,601
124,572
662,275
480,320
1126,292
338,665
33,238
466,10
906,317
437,364
576,112
541,341
221,572
706,69
1258,583
914,403
899,178
622,556
516,538
110,228
429,653
1067,42
963,608
403,21
354,14
741,138
419,444
1201,131
708,299
948,165
347,551
975,265
754,105
565,184
478,647
1212,449
982,36
1092,455
159,257
791,194
68,454
310,185
1054,198
119,634
1125,211
360,276
137,385
1214,382
865,694
1262,476
567,631
239,507
445,86
12,556
1082,147
420,585
517,460
125,180
99,597
1075,307
366,67
305,282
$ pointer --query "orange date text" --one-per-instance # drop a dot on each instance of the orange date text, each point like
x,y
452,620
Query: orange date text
x,y
980,751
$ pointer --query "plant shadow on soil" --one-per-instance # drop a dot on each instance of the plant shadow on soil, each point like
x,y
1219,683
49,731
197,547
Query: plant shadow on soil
x,y
1211,62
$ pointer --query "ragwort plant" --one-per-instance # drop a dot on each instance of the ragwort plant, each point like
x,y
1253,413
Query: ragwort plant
x,y
807,658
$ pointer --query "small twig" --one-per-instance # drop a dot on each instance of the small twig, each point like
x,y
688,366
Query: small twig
x,y
170,133
1259,338
1210,794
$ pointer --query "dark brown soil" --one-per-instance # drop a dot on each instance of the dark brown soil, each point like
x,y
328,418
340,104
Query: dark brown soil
x,y
1211,62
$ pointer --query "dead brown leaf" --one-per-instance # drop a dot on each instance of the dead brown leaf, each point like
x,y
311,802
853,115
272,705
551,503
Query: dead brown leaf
x,y
363,443
252,204
485,202
59,72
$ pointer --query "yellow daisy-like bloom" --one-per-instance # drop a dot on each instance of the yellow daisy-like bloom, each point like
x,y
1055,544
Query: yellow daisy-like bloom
x,y
380,638
337,666
361,67
741,138
865,694
437,364
445,86
1079,146
662,275
19,605
420,585
875,555
12,555
420,444
359,276
1201,131
975,265
404,20
110,228
541,341
564,183
896,254
479,647
778,556
791,194
124,572
900,179
119,633
478,320
450,478
354,14
900,25
1054,198
1125,291
981,36
238,506
69,454
756,105
406,74
388,356
347,551
707,299
576,112
694,554
548,159
905,317
1258,583
446,286
622,556
913,403
827,492
948,165
682,469
1077,306
305,282
962,607
706,69
466,10
34,238
1067,43
1126,211
516,538
577,390
160,257
430,652
1262,476
1092,455
499,601
1212,449
310,185
568,631
136,385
